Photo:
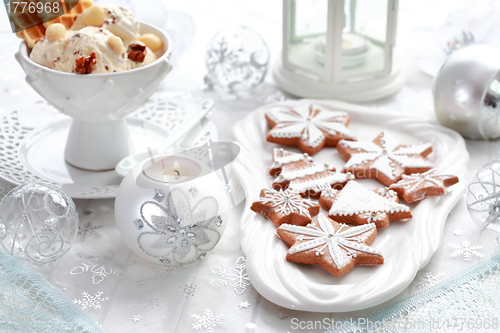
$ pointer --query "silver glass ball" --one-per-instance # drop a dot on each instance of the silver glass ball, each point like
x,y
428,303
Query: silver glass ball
x,y
237,59
467,92
38,222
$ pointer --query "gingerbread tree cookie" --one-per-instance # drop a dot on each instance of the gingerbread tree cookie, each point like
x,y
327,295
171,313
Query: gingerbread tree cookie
x,y
417,186
304,176
359,205
308,127
284,160
335,247
285,207
384,159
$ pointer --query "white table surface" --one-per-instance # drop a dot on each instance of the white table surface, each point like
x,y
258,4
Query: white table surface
x,y
135,296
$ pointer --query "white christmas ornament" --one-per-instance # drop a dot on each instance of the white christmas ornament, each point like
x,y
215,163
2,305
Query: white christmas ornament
x,y
38,222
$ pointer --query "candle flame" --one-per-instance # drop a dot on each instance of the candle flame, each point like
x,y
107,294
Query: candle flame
x,y
176,165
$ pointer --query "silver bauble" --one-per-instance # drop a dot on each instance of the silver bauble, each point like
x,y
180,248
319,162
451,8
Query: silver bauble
x,y
467,92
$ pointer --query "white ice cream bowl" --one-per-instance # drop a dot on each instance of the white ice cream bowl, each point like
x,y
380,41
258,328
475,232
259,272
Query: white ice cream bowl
x,y
98,103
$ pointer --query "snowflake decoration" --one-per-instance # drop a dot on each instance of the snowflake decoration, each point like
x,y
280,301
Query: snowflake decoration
x,y
236,277
244,305
136,318
189,290
207,321
90,301
88,230
458,232
466,250
430,279
101,267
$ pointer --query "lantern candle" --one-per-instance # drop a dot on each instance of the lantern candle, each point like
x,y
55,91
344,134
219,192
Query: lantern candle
x,y
172,169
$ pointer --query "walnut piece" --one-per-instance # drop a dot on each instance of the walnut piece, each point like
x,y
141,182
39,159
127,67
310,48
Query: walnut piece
x,y
85,65
137,52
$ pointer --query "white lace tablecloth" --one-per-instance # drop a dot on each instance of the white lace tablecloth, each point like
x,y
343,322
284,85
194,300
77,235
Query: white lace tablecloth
x,y
125,294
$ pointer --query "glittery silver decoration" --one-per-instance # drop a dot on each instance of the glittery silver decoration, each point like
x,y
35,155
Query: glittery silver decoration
x,y
139,224
483,197
159,195
237,59
185,233
218,221
193,191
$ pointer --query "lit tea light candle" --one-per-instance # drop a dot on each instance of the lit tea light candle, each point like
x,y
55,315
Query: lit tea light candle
x,y
172,169
353,44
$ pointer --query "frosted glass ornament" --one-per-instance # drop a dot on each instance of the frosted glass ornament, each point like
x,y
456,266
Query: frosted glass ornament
x,y
38,222
483,196
237,59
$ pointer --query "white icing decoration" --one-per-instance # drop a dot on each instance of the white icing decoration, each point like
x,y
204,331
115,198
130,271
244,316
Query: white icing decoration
x,y
384,156
287,202
292,157
428,179
322,182
336,241
386,192
373,216
356,199
303,172
298,123
329,193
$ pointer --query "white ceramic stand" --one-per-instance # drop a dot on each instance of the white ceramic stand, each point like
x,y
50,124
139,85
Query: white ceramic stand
x,y
97,146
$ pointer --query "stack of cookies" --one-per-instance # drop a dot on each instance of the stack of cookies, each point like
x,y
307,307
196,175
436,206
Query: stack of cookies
x,y
340,239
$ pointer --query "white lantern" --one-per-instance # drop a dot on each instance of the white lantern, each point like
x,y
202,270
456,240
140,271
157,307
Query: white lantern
x,y
340,49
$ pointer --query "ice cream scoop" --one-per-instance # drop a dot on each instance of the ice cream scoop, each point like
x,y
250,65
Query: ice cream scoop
x,y
102,40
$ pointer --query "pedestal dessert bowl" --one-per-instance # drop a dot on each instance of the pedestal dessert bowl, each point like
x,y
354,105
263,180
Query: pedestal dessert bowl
x,y
98,103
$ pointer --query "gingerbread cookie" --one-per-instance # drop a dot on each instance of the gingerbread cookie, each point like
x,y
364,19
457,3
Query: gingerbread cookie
x,y
421,185
359,205
384,159
300,173
285,207
308,127
335,247
284,160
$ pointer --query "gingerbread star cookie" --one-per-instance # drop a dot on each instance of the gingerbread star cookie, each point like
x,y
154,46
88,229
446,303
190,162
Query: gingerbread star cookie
x,y
384,159
305,176
418,186
358,205
309,127
335,247
285,207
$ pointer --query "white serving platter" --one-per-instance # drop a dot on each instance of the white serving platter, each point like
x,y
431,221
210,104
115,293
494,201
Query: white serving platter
x,y
407,246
